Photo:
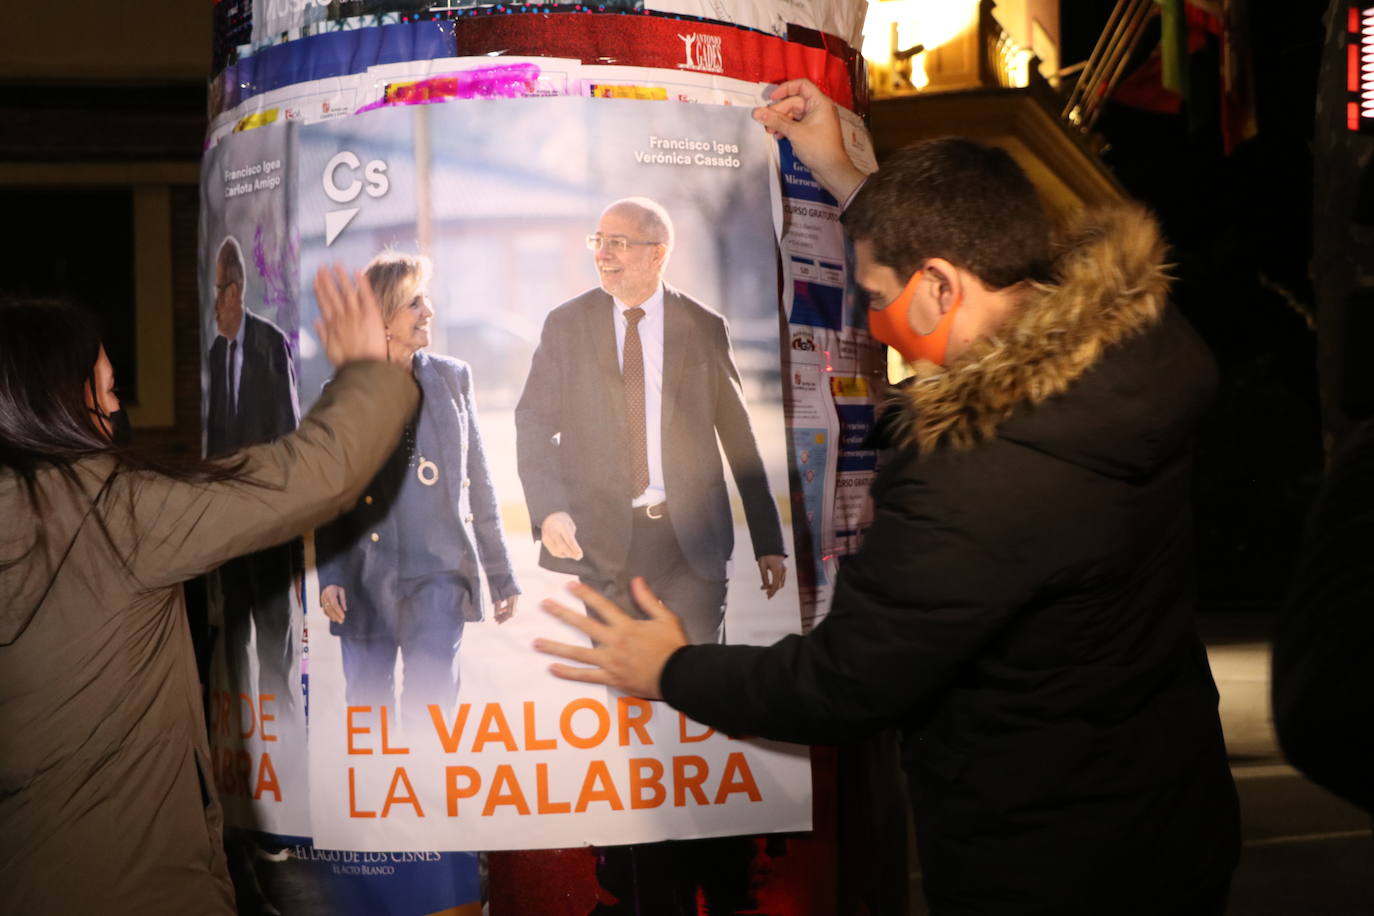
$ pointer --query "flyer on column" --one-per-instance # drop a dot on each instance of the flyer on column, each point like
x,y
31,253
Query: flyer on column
x,y
586,292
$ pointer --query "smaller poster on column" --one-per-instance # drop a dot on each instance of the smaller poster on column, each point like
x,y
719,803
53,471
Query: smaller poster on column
x,y
585,291
249,336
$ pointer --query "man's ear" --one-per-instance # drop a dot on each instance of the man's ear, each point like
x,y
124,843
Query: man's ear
x,y
947,280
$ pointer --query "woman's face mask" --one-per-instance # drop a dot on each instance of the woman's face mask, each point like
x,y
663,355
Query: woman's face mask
x,y
121,432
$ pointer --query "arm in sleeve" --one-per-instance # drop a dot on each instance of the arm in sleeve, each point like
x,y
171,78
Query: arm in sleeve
x,y
742,451
335,556
920,600
180,529
486,511
537,422
1324,637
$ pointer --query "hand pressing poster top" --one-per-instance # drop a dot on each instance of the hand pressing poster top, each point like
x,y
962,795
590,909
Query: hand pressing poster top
x,y
586,293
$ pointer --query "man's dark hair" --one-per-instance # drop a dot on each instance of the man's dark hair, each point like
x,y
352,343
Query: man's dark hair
x,y
954,199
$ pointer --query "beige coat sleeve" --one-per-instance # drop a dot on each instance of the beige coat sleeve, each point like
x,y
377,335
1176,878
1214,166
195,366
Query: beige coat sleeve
x,y
178,530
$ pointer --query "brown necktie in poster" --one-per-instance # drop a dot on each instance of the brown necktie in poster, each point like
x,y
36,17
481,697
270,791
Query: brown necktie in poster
x,y
632,372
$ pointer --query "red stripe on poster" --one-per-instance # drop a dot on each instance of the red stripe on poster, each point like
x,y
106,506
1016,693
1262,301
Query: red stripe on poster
x,y
651,41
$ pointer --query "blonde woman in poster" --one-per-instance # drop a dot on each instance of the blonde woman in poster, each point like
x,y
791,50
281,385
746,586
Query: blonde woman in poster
x,y
402,571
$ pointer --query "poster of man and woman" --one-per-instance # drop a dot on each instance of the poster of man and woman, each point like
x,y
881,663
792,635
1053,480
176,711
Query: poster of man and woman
x,y
586,293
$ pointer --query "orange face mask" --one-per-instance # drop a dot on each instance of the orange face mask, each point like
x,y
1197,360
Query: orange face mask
x,y
890,325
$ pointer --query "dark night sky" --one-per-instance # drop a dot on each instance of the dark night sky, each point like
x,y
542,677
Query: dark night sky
x,y
1240,226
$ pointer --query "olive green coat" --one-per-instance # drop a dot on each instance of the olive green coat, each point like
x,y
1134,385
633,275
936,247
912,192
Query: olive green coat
x,y
107,804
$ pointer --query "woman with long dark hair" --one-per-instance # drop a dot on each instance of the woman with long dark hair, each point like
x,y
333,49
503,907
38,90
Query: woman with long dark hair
x,y
106,796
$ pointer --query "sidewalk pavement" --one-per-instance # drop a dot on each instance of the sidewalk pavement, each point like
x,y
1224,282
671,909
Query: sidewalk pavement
x,y
1304,851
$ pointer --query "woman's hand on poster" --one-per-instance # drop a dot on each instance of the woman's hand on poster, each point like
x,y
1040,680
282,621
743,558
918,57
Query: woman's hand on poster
x,y
629,654
334,602
559,533
505,608
350,324
773,573
807,117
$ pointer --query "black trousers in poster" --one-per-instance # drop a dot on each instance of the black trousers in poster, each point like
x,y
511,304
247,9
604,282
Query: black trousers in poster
x,y
656,555
257,599
664,878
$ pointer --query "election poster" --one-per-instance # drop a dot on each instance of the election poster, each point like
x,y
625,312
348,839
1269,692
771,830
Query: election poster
x,y
249,344
585,291
258,696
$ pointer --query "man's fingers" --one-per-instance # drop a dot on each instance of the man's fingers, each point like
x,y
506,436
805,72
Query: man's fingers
x,y
585,675
583,654
796,87
593,628
648,602
608,609
794,108
774,121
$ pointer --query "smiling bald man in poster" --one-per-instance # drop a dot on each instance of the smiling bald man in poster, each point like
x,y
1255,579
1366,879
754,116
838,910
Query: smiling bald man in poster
x,y
631,387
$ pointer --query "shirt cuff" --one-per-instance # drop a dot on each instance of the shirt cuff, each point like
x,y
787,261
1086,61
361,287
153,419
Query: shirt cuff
x,y
850,198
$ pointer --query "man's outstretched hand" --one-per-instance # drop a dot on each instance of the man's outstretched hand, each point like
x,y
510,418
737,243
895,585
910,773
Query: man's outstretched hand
x,y
808,118
629,654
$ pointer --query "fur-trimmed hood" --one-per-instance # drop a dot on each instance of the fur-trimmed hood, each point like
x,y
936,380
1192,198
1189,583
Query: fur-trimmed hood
x,y
1110,283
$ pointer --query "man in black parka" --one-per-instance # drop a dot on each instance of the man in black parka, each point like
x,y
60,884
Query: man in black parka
x,y
1022,606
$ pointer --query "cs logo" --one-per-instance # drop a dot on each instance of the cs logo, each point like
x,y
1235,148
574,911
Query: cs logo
x,y
343,185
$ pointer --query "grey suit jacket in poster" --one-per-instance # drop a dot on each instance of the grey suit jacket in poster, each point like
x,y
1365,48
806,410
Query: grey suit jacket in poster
x,y
571,438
